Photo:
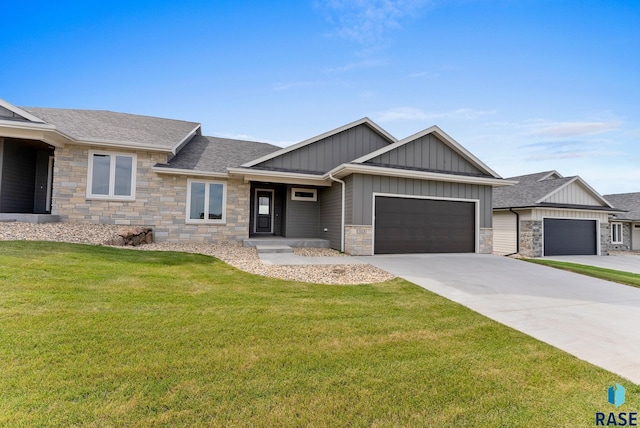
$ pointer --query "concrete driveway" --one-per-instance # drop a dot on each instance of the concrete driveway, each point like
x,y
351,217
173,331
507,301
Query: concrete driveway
x,y
597,321
623,263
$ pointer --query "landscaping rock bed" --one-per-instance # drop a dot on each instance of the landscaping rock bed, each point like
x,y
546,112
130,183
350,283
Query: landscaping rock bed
x,y
243,258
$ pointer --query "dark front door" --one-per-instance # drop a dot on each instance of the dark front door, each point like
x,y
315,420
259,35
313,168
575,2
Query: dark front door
x,y
264,211
406,225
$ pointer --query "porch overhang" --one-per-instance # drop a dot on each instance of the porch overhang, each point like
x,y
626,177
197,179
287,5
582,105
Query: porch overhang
x,y
249,174
33,131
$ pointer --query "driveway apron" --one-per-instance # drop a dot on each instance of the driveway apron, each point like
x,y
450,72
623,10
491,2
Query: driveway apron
x,y
595,320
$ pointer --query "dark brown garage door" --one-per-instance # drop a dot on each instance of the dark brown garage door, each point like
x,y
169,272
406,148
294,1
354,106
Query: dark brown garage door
x,y
405,225
567,237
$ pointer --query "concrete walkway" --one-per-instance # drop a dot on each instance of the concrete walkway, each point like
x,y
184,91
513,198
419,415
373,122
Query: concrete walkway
x,y
597,321
623,263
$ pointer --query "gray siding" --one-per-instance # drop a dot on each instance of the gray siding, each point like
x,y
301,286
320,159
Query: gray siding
x,y
348,215
330,152
302,217
18,178
331,214
365,185
427,152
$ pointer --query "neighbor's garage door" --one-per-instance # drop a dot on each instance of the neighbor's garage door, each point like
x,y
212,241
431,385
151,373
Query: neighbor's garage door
x,y
405,225
566,237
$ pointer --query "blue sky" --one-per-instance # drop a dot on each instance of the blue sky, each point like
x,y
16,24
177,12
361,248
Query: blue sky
x,y
525,85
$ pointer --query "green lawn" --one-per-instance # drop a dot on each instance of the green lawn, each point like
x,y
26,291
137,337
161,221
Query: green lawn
x,y
627,278
95,336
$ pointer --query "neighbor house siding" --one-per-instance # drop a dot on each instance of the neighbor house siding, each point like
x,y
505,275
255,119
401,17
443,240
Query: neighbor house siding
x,y
331,214
574,193
365,185
427,152
330,152
303,217
505,232
539,214
160,200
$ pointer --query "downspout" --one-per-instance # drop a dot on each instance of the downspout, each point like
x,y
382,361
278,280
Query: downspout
x,y
344,198
517,232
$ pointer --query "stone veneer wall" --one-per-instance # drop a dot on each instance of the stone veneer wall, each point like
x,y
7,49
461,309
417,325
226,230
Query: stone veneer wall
x,y
486,241
605,238
160,200
358,240
531,238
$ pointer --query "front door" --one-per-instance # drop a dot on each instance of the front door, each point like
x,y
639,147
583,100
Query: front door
x,y
264,211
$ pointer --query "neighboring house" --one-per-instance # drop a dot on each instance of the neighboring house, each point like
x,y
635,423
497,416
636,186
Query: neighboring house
x,y
546,214
625,227
356,186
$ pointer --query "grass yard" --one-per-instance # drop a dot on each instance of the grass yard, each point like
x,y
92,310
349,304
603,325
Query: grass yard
x,y
621,277
95,336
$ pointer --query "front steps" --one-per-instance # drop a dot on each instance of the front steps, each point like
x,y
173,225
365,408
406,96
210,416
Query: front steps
x,y
276,241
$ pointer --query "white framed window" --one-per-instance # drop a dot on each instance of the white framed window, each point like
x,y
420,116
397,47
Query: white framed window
x,y
616,233
300,194
111,175
206,201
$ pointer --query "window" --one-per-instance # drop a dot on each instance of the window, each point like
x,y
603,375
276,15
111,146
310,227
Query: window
x,y
298,194
616,233
111,176
206,202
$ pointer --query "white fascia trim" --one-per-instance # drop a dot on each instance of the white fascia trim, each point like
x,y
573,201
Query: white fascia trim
x,y
20,112
41,126
364,120
346,169
175,149
584,183
177,171
444,136
280,177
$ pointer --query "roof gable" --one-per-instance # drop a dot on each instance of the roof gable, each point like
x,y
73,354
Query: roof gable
x,y
326,151
430,150
544,189
13,113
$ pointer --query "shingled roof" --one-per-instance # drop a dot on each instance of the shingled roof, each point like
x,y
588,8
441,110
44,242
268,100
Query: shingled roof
x,y
629,202
533,188
106,126
214,154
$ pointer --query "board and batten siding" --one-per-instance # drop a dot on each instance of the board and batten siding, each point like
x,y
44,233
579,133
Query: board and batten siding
x,y
539,214
364,186
326,154
427,152
330,199
303,217
505,232
574,193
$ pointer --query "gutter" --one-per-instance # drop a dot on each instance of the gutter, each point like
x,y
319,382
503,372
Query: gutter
x,y
344,198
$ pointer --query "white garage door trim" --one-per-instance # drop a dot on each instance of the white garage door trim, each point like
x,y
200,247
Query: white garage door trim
x,y
573,218
436,198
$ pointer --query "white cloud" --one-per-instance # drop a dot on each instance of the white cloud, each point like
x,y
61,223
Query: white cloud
x,y
574,129
416,114
366,21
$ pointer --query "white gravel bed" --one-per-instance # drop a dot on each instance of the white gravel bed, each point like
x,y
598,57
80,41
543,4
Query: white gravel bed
x,y
243,258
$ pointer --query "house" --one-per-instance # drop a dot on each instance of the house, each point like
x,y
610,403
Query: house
x,y
625,226
356,188
546,214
